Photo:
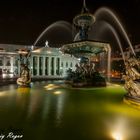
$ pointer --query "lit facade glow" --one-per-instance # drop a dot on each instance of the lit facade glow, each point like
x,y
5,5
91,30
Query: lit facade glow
x,y
117,136
57,92
51,87
44,62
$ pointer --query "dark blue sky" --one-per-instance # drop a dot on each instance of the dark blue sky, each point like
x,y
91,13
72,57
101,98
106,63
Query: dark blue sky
x,y
22,21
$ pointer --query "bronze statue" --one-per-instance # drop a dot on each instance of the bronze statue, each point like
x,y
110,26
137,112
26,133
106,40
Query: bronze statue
x,y
25,77
132,78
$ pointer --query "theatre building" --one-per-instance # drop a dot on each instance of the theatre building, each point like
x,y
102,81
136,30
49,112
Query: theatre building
x,y
45,62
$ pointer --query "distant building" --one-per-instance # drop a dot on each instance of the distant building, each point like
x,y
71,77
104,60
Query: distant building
x,y
117,61
44,62
127,53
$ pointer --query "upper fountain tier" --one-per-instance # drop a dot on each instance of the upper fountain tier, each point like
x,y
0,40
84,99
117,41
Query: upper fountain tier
x,y
84,21
83,46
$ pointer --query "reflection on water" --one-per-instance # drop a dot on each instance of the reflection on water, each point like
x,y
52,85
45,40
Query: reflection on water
x,y
54,112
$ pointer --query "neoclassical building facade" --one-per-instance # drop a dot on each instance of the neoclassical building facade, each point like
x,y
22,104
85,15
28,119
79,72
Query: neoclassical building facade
x,y
44,62
51,62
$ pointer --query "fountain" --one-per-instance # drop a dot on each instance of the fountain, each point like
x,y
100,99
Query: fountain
x,y
84,48
100,14
132,64
85,74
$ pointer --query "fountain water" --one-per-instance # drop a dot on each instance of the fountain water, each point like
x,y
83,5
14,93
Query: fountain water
x,y
63,24
85,74
132,76
102,12
105,26
109,21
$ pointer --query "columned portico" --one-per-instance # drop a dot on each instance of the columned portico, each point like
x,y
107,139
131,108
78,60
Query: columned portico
x,y
47,63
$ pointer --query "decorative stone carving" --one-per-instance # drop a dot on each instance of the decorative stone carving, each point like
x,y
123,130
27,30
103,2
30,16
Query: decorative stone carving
x,y
132,79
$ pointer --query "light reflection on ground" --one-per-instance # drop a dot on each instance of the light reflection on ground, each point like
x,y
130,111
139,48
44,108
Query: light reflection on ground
x,y
64,113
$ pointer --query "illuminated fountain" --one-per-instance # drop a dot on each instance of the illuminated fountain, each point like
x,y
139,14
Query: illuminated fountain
x,y
25,78
82,47
132,65
85,74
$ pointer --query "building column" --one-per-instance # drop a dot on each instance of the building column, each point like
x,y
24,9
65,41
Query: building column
x,y
12,64
60,68
4,61
18,68
64,64
31,65
55,65
37,65
44,66
49,66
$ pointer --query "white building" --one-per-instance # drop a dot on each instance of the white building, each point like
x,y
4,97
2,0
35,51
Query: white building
x,y
45,62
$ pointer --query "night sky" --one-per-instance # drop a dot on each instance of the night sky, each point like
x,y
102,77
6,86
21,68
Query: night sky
x,y
22,21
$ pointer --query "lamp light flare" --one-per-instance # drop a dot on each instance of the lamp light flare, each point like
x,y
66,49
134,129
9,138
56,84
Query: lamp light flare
x,y
57,92
117,136
51,87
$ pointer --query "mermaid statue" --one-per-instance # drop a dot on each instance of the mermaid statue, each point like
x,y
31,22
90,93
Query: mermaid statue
x,y
132,80
25,76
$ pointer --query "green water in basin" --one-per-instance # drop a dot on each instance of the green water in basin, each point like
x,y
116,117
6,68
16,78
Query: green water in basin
x,y
55,112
